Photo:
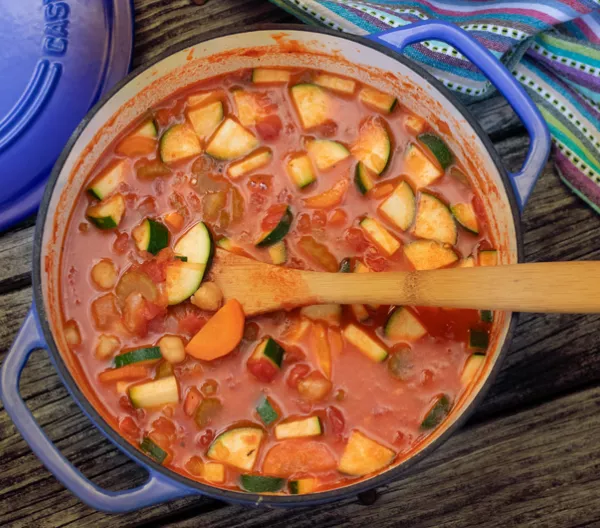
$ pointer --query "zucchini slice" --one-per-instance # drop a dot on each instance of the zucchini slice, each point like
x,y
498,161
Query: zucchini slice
x,y
376,99
184,277
362,455
231,141
108,213
312,103
205,119
486,316
270,350
488,257
363,178
201,97
249,108
403,325
438,148
237,447
415,124
380,235
182,280
419,168
373,146
303,486
267,412
299,428
466,217
196,244
336,84
269,76
138,355
151,236
400,206
434,220
278,253
438,411
155,393
345,266
365,343
300,170
260,484
429,254
327,153
472,368
108,180
329,313
179,142
278,232
154,451
478,339
254,161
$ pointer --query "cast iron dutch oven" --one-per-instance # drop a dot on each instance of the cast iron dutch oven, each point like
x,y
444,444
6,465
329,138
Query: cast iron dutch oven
x,y
375,60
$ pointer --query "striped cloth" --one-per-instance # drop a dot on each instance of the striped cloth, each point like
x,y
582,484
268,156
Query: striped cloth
x,y
551,46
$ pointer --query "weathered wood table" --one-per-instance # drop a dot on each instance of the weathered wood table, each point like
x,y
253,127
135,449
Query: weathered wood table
x,y
530,456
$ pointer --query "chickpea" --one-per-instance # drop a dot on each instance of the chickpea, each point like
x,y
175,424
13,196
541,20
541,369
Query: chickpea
x,y
208,297
104,274
172,349
106,347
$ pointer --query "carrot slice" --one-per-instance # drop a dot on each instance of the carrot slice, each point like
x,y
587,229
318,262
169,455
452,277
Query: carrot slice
x,y
220,335
192,400
128,372
298,456
329,198
320,345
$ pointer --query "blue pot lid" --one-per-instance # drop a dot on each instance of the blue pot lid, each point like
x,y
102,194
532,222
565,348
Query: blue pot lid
x,y
57,58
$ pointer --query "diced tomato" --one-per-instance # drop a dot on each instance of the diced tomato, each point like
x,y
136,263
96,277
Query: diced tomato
x,y
269,128
296,455
338,218
191,323
319,219
206,438
296,374
375,261
174,220
293,355
129,428
382,191
147,206
426,377
356,240
126,405
121,243
304,224
274,214
336,420
155,270
263,370
105,311
257,201
251,331
164,426
134,317
327,129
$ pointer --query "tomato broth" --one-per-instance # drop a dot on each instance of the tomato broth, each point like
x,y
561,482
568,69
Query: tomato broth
x,y
290,167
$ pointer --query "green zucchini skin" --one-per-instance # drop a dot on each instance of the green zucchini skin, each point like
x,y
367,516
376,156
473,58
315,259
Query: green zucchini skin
x,y
438,148
279,231
137,355
438,412
266,412
260,484
152,450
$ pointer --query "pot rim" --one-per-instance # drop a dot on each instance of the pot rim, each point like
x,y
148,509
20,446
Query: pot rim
x,y
214,492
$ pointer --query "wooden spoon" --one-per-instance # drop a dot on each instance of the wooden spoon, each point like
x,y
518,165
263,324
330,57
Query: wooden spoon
x,y
568,287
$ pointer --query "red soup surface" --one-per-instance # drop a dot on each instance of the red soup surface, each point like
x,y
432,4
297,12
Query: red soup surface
x,y
296,168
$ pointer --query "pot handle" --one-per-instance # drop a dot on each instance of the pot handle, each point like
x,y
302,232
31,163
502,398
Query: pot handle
x,y
539,145
156,489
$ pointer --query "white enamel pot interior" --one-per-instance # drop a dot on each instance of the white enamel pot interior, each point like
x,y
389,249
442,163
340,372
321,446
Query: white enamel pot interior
x,y
294,46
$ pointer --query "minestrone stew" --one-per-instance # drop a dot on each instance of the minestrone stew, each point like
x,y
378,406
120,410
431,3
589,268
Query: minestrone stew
x,y
297,168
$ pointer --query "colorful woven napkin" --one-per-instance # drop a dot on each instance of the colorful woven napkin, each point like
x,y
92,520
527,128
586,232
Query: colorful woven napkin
x,y
551,46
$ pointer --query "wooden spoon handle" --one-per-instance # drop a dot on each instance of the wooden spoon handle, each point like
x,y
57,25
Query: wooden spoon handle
x,y
568,287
